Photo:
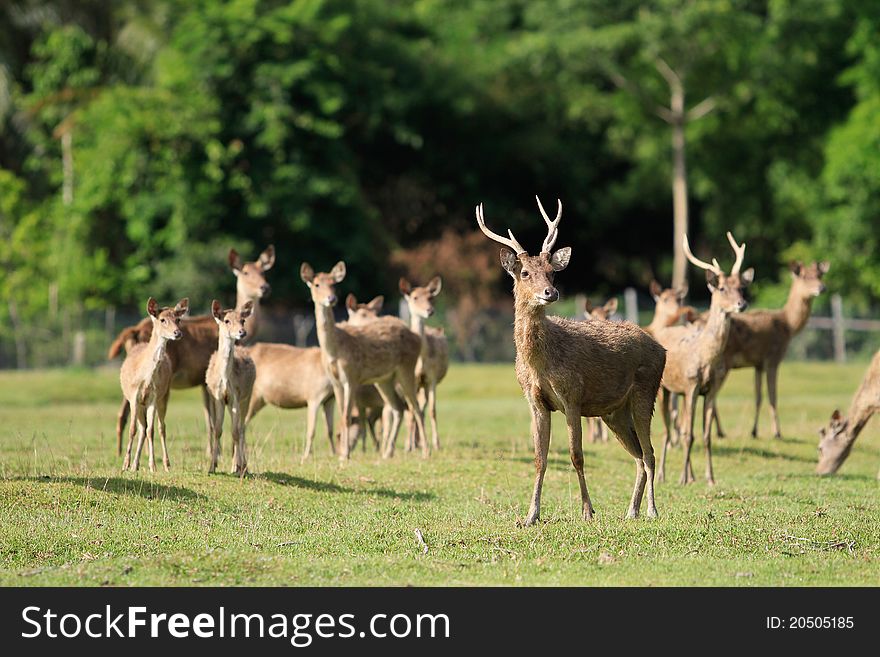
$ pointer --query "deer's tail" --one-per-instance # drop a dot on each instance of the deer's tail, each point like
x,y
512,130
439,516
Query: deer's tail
x,y
127,338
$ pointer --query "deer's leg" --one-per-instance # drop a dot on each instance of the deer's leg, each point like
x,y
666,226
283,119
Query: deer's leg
x,y
576,452
345,435
255,406
642,422
394,412
718,430
541,437
140,412
591,429
407,380
708,416
132,427
759,373
431,405
239,459
217,410
207,404
327,405
162,408
151,429
666,410
121,417
311,422
772,374
676,415
690,407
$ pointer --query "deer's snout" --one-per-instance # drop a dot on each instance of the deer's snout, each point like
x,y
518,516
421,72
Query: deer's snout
x,y
330,300
429,311
822,288
549,295
178,334
742,305
265,288
242,334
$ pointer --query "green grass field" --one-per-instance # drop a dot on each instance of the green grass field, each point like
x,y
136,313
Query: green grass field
x,y
70,517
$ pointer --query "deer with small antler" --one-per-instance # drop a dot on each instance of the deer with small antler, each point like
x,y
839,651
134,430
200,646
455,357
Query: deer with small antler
x,y
694,355
837,439
190,356
145,378
610,370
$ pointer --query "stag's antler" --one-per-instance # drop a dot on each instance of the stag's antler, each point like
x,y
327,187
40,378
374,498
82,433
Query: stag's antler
x,y
512,243
714,267
552,226
740,252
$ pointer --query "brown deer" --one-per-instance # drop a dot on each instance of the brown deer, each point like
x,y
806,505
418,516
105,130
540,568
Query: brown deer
x,y
383,352
837,439
292,377
760,338
610,370
668,306
596,429
190,356
433,361
230,382
694,355
145,378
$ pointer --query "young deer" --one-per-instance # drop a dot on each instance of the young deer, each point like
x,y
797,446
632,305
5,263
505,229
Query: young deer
x,y
230,382
694,354
760,338
292,377
189,358
837,439
383,352
145,378
583,369
668,306
434,358
596,429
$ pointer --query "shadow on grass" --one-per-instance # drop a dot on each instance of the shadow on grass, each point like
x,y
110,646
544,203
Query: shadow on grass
x,y
284,479
760,452
123,486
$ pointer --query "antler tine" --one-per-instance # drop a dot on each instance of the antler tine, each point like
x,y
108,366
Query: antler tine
x,y
740,252
552,226
696,261
512,243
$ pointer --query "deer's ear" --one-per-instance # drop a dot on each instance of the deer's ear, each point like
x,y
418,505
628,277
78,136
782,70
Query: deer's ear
x,y
351,303
835,416
306,273
746,277
435,285
216,310
559,260
711,280
508,261
376,304
682,291
611,306
246,309
823,267
795,267
152,307
404,286
234,261
655,289
588,308
267,258
338,272
182,307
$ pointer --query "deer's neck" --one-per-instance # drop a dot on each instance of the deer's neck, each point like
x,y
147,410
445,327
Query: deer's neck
x,y
797,310
861,409
417,326
529,331
252,323
326,326
225,357
716,330
155,352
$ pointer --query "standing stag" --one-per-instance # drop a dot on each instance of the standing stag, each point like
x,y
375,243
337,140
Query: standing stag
x,y
760,338
434,358
145,378
190,356
694,355
383,352
836,440
230,382
583,369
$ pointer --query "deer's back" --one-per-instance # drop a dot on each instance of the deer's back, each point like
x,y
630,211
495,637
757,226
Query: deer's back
x,y
433,363
597,365
689,360
377,349
288,376
757,337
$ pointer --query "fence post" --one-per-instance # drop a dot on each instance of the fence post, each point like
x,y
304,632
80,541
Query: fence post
x,y
79,349
837,328
631,305
580,306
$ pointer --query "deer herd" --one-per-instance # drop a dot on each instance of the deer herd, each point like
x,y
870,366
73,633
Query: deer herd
x,y
374,368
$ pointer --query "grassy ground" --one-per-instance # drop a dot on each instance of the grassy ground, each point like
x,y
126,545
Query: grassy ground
x,y
69,516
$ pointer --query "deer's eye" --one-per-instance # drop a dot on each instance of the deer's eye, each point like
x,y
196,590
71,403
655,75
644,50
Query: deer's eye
x,y
162,320
226,320
524,273
721,289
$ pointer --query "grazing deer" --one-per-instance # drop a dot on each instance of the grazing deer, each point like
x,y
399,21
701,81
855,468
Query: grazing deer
x,y
230,382
583,369
383,352
596,429
433,361
292,377
760,338
694,355
190,356
837,439
145,378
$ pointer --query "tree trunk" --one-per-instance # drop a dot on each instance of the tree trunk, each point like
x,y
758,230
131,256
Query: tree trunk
x,y
679,189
